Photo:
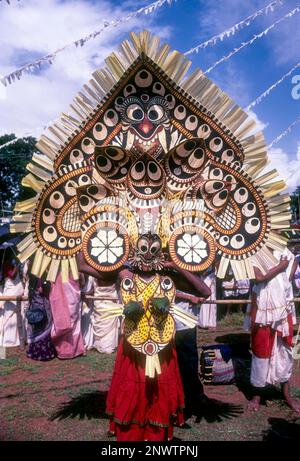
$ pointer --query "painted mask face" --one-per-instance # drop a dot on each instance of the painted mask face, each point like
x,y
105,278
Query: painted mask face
x,y
147,255
146,179
145,118
113,164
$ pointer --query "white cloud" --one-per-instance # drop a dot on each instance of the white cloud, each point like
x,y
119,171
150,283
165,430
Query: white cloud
x,y
288,167
260,125
32,29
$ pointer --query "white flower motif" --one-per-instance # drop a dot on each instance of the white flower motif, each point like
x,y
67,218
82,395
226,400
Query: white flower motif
x,y
108,246
192,248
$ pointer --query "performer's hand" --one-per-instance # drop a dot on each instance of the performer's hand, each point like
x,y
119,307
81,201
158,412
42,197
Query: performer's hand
x,y
283,263
199,300
161,305
133,310
168,264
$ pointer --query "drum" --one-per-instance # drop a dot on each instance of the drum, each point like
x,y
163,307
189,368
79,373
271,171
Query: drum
x,y
216,365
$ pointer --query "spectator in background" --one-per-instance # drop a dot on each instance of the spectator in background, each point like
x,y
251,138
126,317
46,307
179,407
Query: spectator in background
x,y
297,276
105,331
207,317
296,283
39,319
189,300
87,312
65,301
272,320
229,289
243,292
11,328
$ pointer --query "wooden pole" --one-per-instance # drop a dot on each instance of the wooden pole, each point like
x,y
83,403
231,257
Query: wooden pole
x,y
212,301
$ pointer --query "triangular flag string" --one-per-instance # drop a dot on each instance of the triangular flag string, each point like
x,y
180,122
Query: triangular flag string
x,y
238,26
272,87
17,74
289,15
284,133
49,58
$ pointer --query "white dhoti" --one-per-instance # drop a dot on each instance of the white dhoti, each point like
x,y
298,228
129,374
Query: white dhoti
x,y
273,370
273,317
106,330
11,325
207,317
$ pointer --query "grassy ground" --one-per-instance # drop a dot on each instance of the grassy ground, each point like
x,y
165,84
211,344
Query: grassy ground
x,y
65,400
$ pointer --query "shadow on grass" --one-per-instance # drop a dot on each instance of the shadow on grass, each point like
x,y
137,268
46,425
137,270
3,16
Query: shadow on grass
x,y
36,391
90,405
216,411
242,339
281,430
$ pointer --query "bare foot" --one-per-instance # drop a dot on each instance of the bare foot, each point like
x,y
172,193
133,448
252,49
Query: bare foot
x,y
254,403
293,404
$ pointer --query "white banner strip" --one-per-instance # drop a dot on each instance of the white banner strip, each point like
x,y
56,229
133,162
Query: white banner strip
x,y
284,133
272,87
49,58
8,1
232,30
254,38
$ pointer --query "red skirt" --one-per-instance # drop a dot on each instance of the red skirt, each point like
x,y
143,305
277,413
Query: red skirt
x,y
143,408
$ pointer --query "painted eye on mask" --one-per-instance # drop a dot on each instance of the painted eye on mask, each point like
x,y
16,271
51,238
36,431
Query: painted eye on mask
x,y
155,113
143,246
135,112
86,203
114,153
76,156
57,200
103,163
155,248
49,234
138,171
127,284
154,172
167,284
48,216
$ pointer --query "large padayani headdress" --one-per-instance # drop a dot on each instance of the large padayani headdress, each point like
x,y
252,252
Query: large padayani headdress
x,y
149,149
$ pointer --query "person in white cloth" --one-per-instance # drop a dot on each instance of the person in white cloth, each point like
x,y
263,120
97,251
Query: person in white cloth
x,y
272,320
207,317
105,330
11,327
87,307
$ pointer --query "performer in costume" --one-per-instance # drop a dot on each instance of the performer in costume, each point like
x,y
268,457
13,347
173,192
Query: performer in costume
x,y
150,148
272,320
146,396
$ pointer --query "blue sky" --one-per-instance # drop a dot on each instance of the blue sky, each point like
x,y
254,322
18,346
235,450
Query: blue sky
x,y
32,28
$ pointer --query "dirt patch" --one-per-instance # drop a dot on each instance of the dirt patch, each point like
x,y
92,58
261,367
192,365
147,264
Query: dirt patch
x,y
65,400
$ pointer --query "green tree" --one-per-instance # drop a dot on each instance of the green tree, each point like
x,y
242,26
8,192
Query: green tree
x,y
295,203
13,160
